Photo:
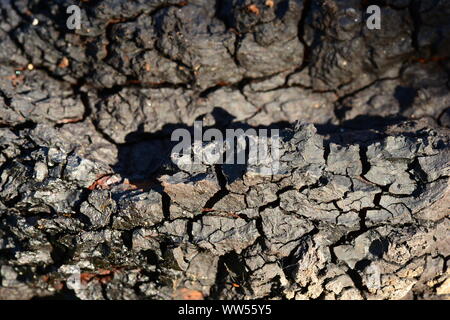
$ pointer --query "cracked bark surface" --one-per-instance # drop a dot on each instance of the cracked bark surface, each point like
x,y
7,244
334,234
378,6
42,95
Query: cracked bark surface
x,y
360,210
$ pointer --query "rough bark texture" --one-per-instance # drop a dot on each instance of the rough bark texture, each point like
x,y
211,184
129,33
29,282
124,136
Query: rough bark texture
x,y
361,210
